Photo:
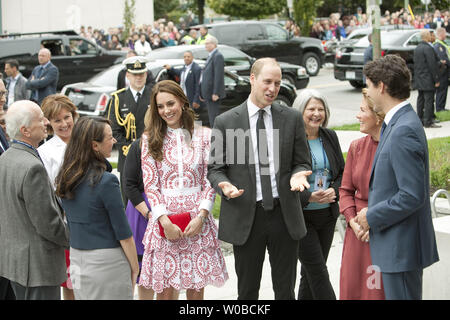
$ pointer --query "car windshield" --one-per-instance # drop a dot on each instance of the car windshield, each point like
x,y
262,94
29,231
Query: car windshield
x,y
388,39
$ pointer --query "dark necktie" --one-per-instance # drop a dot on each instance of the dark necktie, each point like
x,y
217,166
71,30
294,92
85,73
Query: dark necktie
x,y
138,97
263,156
382,129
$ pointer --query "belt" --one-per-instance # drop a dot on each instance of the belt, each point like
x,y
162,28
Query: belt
x,y
276,203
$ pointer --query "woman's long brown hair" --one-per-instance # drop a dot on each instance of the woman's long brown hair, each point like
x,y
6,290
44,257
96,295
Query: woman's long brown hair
x,y
156,127
80,158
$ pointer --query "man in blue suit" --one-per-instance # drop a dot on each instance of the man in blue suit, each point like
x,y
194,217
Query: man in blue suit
x,y
189,77
212,85
402,239
44,78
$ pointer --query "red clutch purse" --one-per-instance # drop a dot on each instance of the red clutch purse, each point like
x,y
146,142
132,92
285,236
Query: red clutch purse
x,y
180,219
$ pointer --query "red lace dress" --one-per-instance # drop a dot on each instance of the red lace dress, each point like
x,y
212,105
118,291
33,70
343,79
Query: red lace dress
x,y
175,185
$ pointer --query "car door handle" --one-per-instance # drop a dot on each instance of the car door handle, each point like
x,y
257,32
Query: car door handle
x,y
77,62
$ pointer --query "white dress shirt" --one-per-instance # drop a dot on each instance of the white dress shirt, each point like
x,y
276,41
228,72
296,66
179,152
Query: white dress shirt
x,y
11,87
134,92
52,155
390,113
268,123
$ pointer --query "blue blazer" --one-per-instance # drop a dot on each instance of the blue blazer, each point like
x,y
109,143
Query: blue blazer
x,y
45,84
4,142
96,216
192,81
401,230
213,81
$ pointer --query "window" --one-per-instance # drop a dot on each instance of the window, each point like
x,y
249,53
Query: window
x,y
55,46
415,40
234,57
80,47
275,32
227,34
253,32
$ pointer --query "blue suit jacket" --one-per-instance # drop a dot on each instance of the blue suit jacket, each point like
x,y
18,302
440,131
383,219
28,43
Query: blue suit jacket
x,y
45,84
192,81
213,77
3,141
401,230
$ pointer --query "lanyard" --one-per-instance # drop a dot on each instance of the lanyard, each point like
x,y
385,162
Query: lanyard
x,y
28,146
323,153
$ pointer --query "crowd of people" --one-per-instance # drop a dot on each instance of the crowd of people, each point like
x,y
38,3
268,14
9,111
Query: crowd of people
x,y
339,27
145,38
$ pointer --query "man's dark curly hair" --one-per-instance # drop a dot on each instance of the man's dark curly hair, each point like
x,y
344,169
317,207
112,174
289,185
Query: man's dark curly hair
x,y
393,72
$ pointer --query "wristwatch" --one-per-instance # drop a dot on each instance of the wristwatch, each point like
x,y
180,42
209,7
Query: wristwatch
x,y
204,219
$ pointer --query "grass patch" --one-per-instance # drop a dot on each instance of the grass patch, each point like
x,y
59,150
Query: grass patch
x,y
347,127
216,207
439,152
443,115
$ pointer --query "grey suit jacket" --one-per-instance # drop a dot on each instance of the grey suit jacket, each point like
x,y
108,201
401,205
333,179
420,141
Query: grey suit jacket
x,y
33,234
213,77
228,162
20,90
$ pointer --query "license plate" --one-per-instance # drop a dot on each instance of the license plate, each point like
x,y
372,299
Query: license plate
x,y
350,75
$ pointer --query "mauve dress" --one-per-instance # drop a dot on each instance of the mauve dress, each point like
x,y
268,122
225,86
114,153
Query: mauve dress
x,y
358,281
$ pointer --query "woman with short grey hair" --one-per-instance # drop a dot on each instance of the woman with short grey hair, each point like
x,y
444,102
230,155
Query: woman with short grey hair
x,y
320,205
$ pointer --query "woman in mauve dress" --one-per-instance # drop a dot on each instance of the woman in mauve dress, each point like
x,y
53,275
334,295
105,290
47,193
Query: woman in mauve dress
x,y
359,280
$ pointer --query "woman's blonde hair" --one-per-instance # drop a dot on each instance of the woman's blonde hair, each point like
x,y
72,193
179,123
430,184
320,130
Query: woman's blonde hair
x,y
52,106
371,104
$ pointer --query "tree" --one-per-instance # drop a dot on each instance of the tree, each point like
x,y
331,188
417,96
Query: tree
x,y
128,18
198,8
247,9
305,11
162,8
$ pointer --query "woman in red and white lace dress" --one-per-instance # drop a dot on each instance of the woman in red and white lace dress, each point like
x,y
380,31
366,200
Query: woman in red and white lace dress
x,y
174,166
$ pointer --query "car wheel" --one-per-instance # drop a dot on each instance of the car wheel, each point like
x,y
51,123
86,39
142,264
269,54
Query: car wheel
x,y
283,101
356,84
311,62
288,79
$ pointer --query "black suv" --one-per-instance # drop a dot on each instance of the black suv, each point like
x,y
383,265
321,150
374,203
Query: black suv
x,y
268,39
77,58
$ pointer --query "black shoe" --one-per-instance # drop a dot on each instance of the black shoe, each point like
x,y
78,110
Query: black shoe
x,y
433,125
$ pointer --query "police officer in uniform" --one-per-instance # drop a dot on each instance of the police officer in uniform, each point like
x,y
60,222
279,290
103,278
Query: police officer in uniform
x,y
203,35
127,109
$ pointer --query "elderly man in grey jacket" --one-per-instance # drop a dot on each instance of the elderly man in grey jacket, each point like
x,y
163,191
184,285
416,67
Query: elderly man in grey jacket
x,y
33,234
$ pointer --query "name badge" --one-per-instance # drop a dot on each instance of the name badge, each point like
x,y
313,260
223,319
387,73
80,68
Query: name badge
x,y
321,181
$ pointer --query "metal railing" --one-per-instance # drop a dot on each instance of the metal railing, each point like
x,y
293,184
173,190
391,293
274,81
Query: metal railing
x,y
433,200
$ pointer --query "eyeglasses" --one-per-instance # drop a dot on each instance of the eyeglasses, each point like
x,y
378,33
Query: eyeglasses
x,y
3,93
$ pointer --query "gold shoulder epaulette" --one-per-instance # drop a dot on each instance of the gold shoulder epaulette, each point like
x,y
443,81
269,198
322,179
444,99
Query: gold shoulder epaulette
x,y
118,91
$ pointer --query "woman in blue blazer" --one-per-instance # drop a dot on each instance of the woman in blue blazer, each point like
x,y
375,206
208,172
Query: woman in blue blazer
x,y
102,250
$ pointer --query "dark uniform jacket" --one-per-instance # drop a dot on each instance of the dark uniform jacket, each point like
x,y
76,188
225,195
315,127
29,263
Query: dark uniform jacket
x,y
126,105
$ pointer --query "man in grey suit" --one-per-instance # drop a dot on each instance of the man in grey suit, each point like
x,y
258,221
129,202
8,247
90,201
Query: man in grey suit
x,y
259,159
15,83
212,87
33,234
402,239
44,78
